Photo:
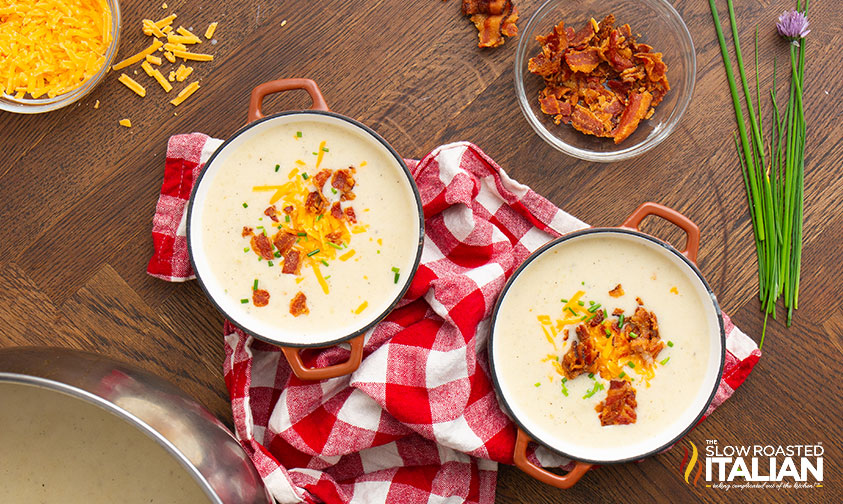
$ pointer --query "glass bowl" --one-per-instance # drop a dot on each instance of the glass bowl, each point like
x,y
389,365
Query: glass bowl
x,y
659,25
37,105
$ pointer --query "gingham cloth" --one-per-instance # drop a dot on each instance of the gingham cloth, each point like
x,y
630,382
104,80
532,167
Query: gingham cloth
x,y
418,421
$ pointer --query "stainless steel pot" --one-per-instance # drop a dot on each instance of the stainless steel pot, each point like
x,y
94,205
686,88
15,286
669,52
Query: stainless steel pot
x,y
191,434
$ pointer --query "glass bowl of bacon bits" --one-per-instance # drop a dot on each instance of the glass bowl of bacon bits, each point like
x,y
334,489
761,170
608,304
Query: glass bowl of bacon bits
x,y
605,80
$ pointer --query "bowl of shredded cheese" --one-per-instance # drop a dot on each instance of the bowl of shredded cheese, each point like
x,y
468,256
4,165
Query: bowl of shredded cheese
x,y
54,52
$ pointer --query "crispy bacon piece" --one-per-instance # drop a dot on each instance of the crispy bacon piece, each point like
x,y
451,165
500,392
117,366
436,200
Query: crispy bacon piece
x,y
315,202
298,305
260,297
619,406
247,231
599,79
584,61
470,7
261,246
583,119
493,19
289,209
336,211
636,109
335,237
292,262
581,357
272,213
349,214
617,292
648,343
342,181
283,241
320,178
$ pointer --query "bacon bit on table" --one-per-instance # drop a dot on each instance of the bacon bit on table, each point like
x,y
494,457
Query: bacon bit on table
x,y
600,79
260,297
493,19
619,406
298,305
617,292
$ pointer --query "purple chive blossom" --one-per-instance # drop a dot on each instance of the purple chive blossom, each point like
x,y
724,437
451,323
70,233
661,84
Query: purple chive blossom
x,y
793,25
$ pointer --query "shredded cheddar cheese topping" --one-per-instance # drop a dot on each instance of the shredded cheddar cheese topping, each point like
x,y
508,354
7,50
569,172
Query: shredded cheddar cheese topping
x,y
51,47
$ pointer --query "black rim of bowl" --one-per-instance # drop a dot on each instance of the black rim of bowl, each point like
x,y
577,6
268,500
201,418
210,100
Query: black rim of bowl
x,y
408,281
538,253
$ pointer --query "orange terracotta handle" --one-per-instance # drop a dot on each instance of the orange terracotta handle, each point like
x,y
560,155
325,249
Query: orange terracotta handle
x,y
692,246
558,480
305,373
278,86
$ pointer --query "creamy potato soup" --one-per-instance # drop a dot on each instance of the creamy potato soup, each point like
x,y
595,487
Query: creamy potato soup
x,y
310,226
638,367
56,448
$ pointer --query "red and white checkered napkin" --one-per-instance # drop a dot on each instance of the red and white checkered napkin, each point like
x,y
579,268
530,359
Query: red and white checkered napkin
x,y
418,421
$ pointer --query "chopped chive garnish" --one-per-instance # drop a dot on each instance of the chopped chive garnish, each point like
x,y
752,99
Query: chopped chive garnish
x,y
565,391
605,313
623,373
591,375
379,251
670,343
581,303
298,240
591,317
304,176
608,333
259,227
395,269
302,234
327,277
537,384
244,301
312,252
255,285
245,205
333,190
590,303
323,261
260,259
315,153
597,387
298,134
319,217
277,167
269,263
595,308
620,320
633,335
324,149
334,245
286,218
563,300
246,249
572,311
663,362
564,380
396,277
631,364
583,283
277,254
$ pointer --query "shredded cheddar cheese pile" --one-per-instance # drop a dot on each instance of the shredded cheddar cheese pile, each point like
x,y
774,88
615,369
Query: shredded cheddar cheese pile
x,y
50,47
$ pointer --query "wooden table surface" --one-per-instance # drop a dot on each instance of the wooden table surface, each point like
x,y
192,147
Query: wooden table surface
x,y
78,192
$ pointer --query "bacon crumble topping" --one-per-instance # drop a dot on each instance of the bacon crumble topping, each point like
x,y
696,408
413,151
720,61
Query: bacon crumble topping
x,y
493,19
298,305
600,79
619,406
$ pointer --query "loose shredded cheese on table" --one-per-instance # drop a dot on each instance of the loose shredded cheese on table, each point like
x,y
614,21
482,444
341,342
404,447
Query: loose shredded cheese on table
x,y
154,73
184,32
209,33
166,22
131,84
139,56
149,29
125,122
51,47
155,60
192,56
185,93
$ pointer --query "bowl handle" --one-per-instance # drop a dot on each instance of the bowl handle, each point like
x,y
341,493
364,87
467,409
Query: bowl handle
x,y
277,86
692,246
563,481
305,373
